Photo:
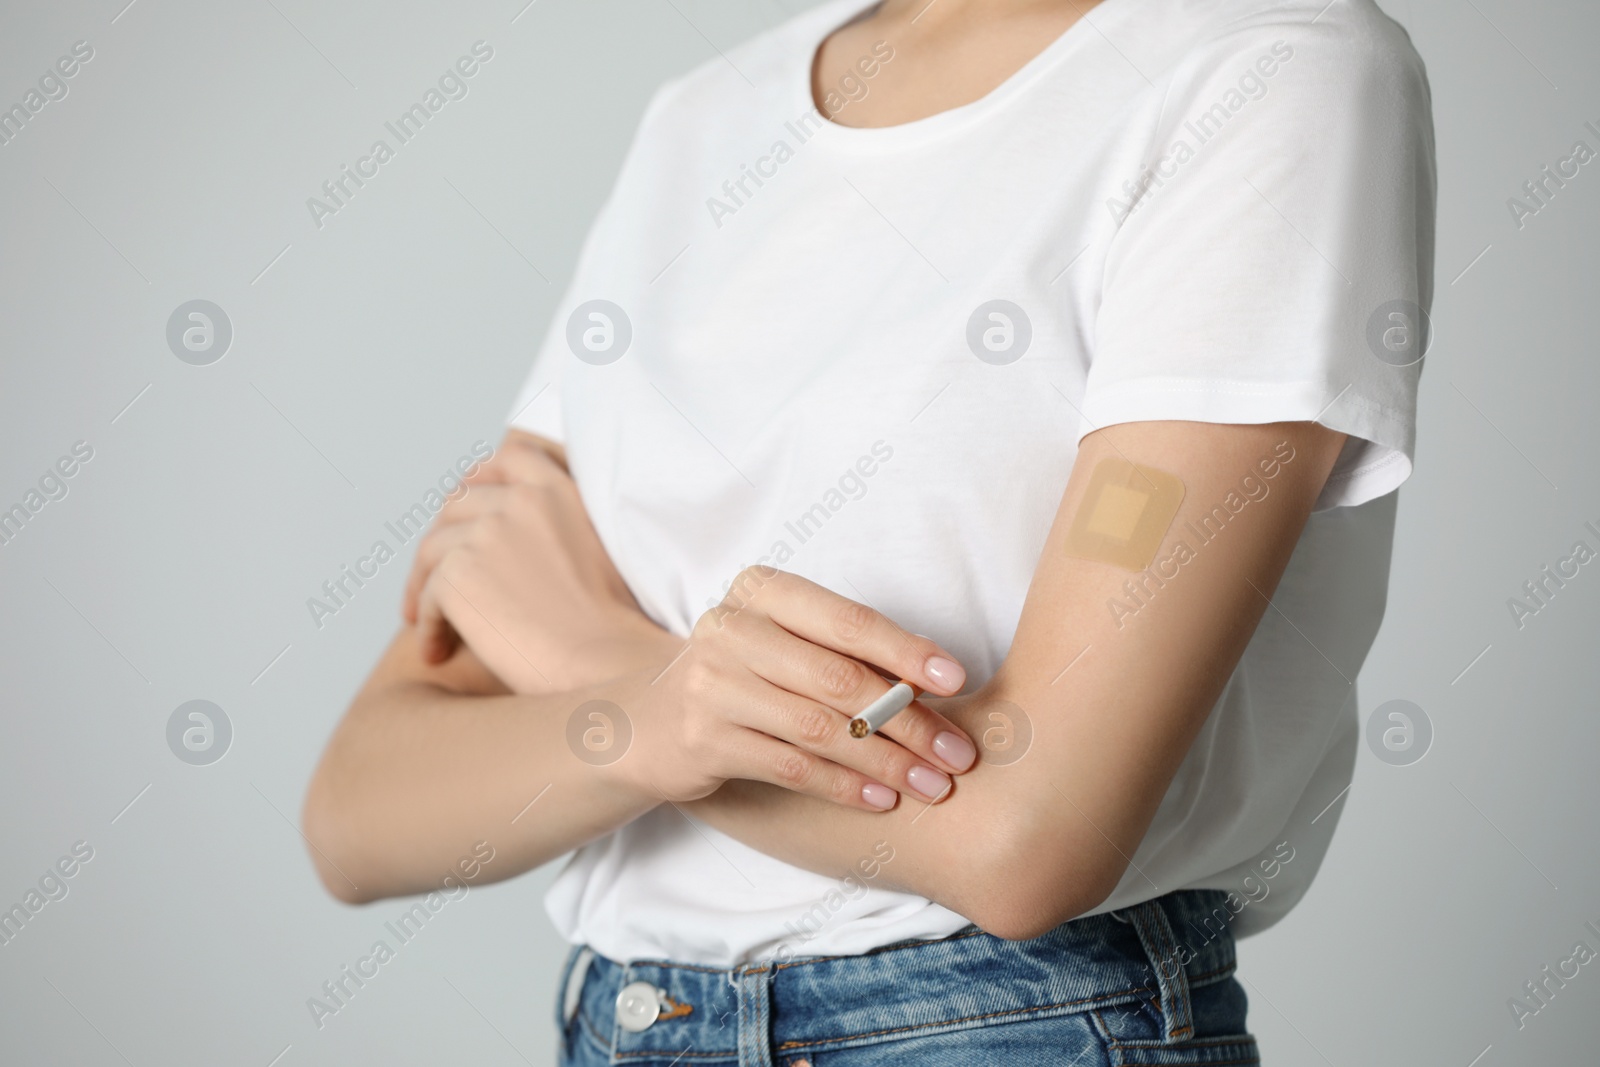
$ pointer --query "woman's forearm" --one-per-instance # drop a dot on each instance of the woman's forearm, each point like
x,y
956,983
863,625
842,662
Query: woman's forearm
x,y
422,769
436,762
960,853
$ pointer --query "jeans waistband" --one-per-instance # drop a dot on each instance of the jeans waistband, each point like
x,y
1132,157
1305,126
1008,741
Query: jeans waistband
x,y
1154,952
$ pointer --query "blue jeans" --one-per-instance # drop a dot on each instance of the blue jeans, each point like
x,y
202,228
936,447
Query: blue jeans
x,y
1150,985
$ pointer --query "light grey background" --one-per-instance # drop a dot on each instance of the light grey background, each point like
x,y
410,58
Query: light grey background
x,y
370,353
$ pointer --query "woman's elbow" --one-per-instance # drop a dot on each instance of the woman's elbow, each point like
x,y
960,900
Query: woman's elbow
x,y
1027,890
1025,915
322,826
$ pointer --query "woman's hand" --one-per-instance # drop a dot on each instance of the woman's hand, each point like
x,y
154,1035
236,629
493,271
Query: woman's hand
x,y
765,688
514,568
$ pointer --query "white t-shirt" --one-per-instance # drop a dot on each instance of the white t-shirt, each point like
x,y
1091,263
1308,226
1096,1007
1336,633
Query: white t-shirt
x,y
1206,210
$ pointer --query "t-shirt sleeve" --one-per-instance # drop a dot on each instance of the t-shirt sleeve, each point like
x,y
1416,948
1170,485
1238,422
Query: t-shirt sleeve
x,y
538,407
1273,261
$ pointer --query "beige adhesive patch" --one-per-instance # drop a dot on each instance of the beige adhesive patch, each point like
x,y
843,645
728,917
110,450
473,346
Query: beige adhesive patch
x,y
1125,514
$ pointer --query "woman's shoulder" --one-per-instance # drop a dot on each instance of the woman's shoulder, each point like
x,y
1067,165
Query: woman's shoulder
x,y
1342,46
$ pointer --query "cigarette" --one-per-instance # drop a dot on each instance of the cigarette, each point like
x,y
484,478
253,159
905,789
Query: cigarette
x,y
876,716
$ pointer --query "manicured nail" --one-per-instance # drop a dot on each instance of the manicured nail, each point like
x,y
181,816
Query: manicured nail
x,y
955,750
927,781
879,796
945,673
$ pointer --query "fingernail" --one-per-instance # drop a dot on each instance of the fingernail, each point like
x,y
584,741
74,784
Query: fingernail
x,y
879,796
955,750
946,673
927,781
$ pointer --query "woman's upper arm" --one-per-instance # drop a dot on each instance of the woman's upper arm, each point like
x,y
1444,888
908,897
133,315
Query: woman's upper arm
x,y
1116,682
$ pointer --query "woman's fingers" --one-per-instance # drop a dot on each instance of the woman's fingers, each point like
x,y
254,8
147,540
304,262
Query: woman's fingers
x,y
826,677
525,460
430,552
490,488
485,488
825,618
477,501
437,640
924,731
449,528
822,731
764,759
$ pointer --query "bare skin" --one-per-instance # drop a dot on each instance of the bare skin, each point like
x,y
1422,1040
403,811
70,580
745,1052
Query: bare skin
x,y
946,54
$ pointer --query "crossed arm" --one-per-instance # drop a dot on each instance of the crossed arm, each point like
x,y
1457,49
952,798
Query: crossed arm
x,y
1113,680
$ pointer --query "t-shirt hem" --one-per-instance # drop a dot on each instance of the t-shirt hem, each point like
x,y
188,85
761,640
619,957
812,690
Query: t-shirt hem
x,y
540,414
1379,465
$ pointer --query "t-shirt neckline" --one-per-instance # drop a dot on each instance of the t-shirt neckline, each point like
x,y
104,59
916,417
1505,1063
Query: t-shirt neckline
x,y
831,18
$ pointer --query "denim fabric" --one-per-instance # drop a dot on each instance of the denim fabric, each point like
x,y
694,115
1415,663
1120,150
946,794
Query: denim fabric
x,y
1149,985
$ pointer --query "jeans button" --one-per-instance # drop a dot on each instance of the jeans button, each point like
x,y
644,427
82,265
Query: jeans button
x,y
638,1006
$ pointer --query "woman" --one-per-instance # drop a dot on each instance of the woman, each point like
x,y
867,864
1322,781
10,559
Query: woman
x,y
1082,340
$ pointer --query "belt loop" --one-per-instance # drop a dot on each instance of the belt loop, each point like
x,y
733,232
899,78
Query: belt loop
x,y
1149,919
572,983
755,1015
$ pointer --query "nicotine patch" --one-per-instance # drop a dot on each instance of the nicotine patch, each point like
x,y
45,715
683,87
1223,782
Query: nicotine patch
x,y
1126,513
